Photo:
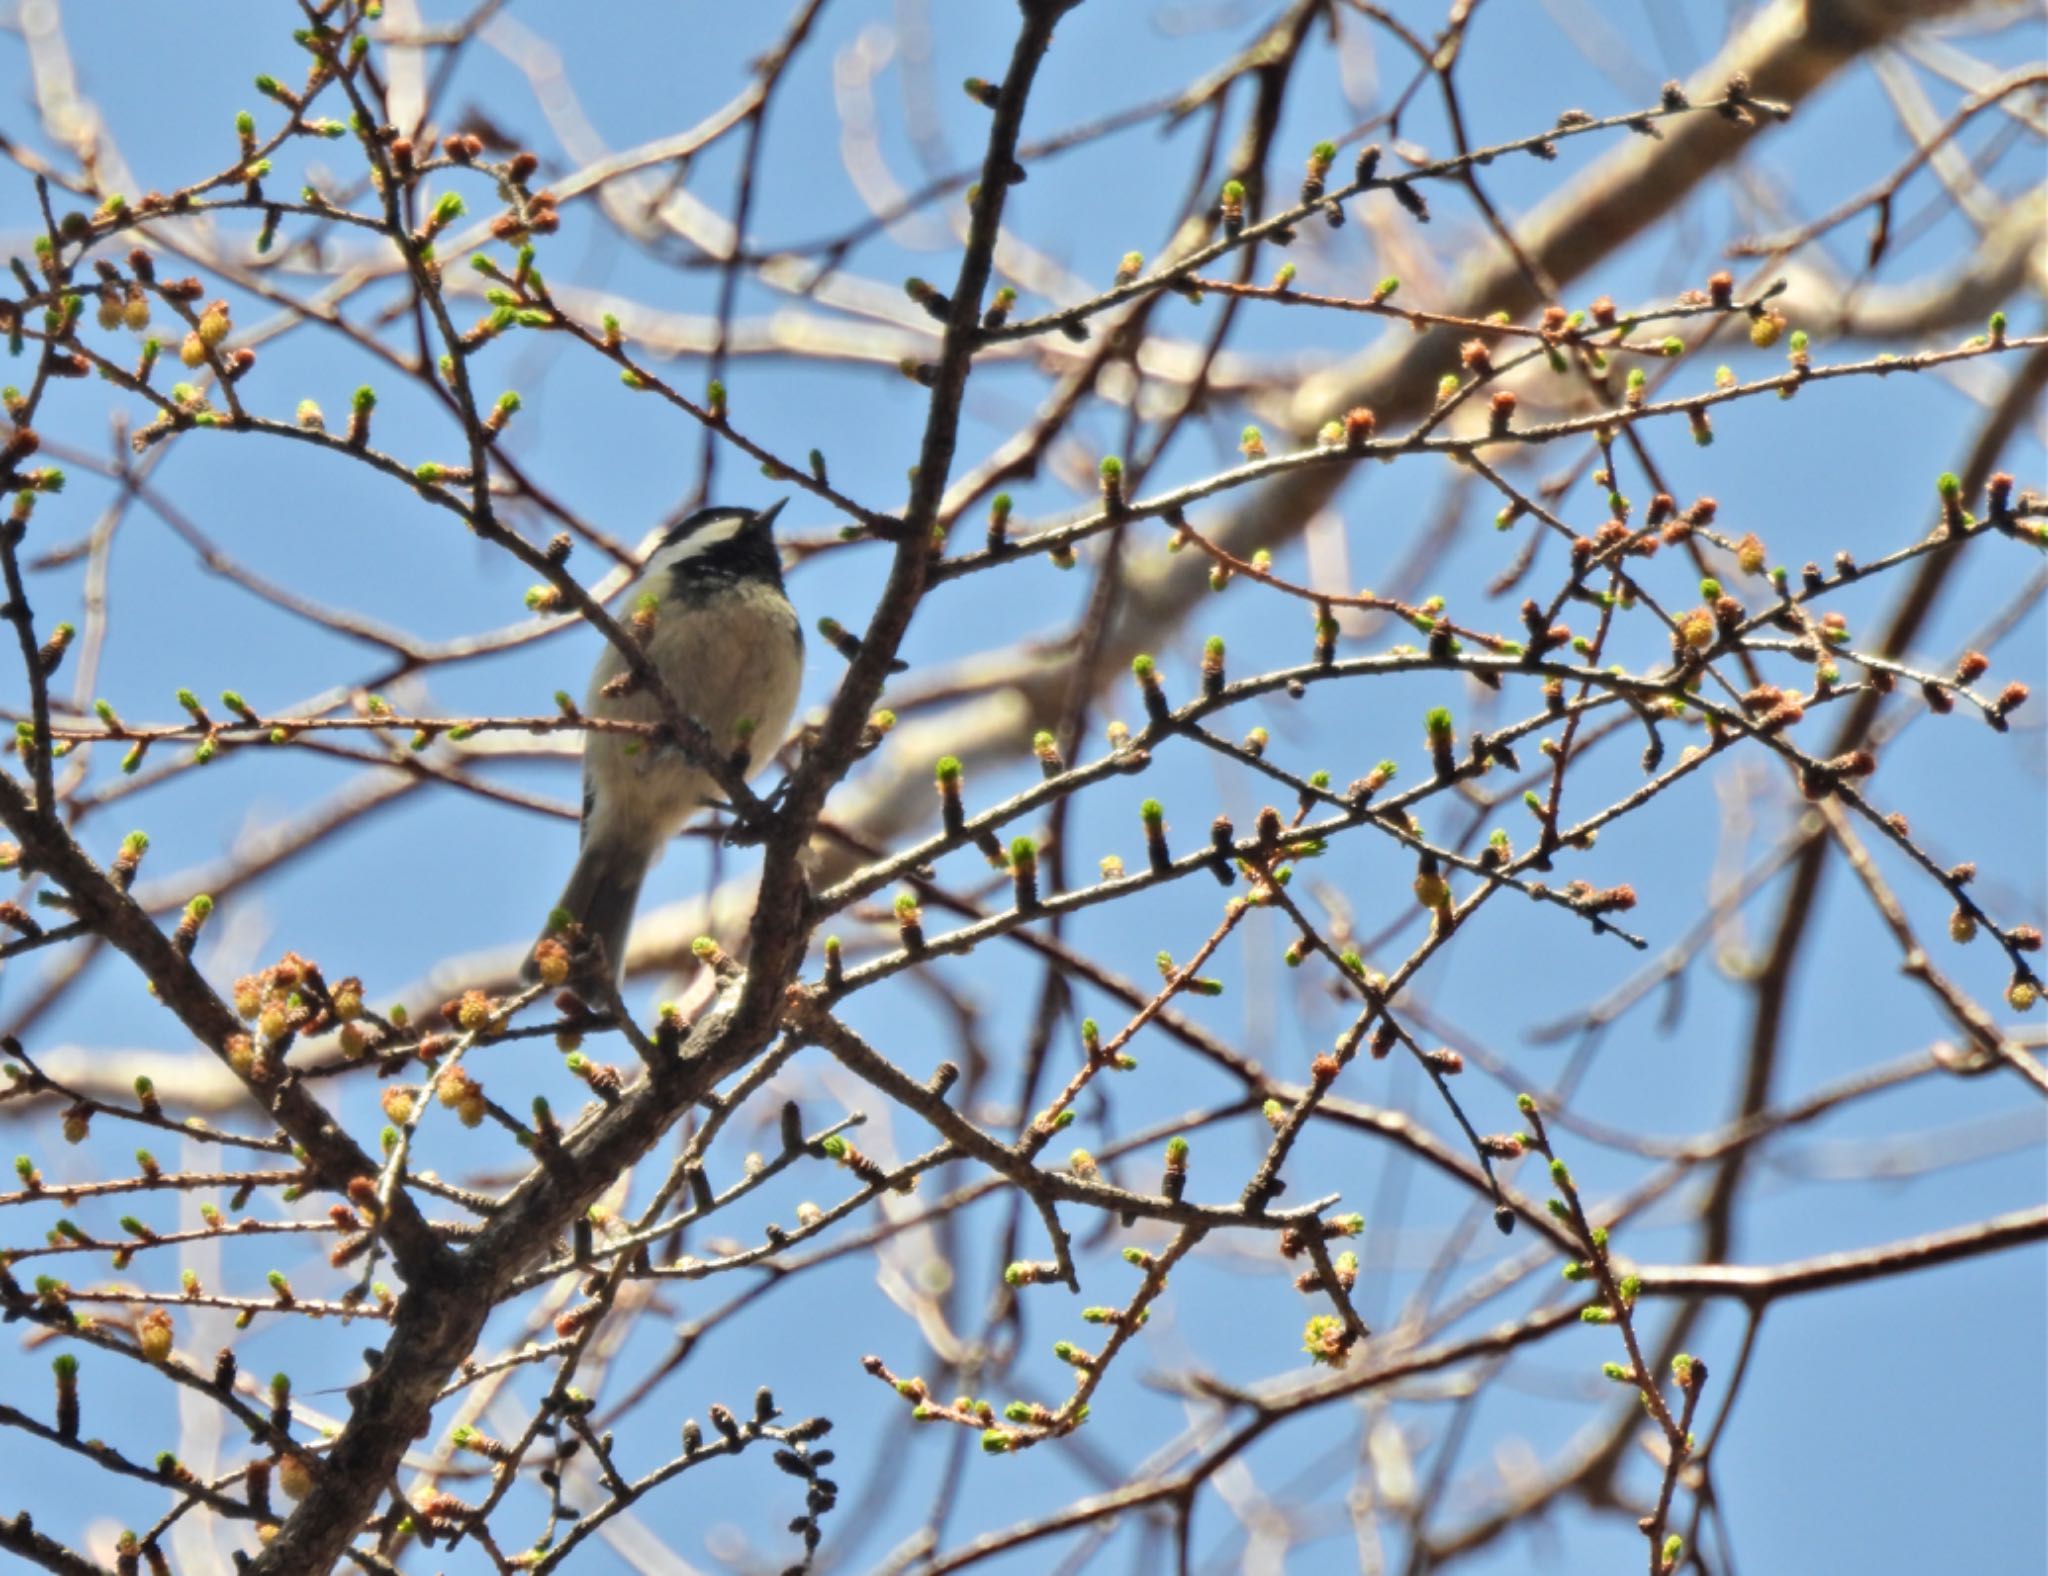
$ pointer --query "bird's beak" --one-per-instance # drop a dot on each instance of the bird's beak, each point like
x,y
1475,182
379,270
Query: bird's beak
x,y
764,521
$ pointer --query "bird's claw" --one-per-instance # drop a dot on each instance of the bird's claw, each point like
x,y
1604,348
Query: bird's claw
x,y
750,827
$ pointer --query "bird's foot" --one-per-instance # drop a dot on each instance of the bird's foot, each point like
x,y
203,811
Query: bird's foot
x,y
750,827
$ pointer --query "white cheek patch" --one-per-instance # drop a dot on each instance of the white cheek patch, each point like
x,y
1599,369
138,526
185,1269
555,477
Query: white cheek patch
x,y
696,544
706,536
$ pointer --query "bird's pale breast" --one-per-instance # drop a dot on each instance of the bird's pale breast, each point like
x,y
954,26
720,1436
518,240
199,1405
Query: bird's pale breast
x,y
730,659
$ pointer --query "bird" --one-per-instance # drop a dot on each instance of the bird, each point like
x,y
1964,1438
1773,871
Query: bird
x,y
728,646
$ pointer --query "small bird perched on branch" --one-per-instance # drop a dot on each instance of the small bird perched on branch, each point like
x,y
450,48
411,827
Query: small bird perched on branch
x,y
728,647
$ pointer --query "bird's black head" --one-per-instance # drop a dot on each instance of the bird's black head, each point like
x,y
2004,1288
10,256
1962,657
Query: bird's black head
x,y
716,546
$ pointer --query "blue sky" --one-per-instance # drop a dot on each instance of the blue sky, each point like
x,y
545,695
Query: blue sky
x,y
1893,1428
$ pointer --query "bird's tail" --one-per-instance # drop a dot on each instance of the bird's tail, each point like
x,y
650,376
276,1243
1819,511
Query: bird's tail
x,y
600,896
